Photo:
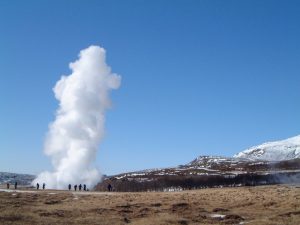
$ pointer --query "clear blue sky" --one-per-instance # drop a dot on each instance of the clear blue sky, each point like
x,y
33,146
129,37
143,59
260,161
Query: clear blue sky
x,y
198,77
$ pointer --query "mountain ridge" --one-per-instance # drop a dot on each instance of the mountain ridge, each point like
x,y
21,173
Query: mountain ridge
x,y
285,149
269,163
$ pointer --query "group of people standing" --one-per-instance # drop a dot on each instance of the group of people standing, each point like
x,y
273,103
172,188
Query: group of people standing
x,y
80,187
38,186
16,185
8,185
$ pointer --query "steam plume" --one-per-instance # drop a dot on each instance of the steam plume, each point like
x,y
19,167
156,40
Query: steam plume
x,y
74,136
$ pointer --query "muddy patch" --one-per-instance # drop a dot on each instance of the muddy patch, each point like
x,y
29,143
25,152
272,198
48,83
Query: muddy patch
x,y
220,210
289,214
11,218
156,205
180,206
56,213
52,202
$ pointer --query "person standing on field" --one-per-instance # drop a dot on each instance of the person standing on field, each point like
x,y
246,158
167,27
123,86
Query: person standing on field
x,y
109,187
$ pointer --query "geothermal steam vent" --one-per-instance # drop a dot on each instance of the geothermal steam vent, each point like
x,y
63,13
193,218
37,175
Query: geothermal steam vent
x,y
74,136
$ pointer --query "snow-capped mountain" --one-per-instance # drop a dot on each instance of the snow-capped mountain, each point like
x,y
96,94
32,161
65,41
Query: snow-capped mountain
x,y
269,163
206,171
273,151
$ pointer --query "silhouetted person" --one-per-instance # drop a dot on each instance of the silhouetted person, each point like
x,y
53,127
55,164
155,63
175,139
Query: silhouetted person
x,y
7,185
84,187
70,187
16,185
37,186
109,187
44,185
75,187
80,186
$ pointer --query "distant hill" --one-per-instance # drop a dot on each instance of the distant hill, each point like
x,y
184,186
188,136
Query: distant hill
x,y
21,179
268,163
206,171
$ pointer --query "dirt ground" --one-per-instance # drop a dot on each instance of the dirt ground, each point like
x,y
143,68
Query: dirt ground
x,y
242,205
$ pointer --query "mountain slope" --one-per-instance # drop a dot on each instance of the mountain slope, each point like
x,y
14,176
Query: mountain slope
x,y
273,151
206,171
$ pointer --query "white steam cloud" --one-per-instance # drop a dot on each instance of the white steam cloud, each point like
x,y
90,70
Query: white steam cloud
x,y
73,138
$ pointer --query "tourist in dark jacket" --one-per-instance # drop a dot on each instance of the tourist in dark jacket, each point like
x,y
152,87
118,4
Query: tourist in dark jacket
x,y
109,187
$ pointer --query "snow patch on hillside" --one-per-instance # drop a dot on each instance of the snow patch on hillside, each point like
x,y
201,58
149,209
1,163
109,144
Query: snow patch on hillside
x,y
273,151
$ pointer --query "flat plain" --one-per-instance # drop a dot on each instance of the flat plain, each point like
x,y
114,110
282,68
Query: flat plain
x,y
277,204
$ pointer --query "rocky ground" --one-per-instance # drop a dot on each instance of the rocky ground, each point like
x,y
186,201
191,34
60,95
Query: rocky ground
x,y
277,204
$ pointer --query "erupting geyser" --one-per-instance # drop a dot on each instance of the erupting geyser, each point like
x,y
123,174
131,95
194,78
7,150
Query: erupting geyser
x,y
74,136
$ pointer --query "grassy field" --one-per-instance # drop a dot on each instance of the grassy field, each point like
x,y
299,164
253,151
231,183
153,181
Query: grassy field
x,y
243,205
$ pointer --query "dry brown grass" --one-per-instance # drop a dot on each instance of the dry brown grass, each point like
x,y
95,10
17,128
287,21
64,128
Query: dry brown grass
x,y
245,205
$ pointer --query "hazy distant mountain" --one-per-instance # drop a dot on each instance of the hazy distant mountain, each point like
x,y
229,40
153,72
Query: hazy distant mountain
x,y
273,151
21,179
